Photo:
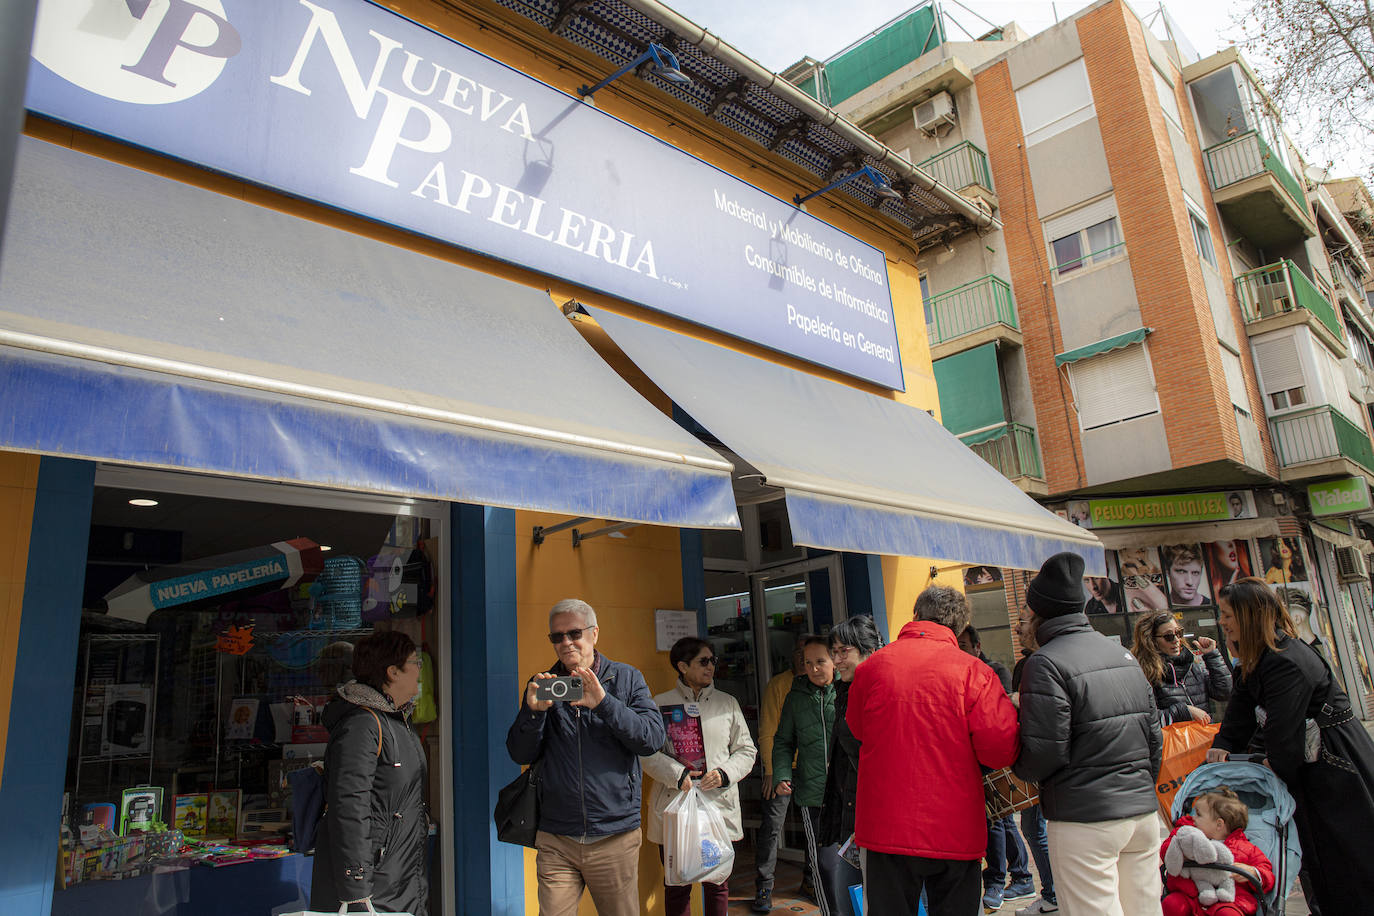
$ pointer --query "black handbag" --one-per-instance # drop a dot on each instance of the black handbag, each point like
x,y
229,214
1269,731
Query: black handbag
x,y
517,808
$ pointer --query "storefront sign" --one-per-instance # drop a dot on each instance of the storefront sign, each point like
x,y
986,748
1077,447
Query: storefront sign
x,y
1172,509
345,103
1339,497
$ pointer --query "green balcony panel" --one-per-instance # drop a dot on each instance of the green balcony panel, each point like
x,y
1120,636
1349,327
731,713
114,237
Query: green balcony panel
x,y
1244,157
1256,192
978,304
959,167
1320,434
970,390
1281,287
888,50
1011,448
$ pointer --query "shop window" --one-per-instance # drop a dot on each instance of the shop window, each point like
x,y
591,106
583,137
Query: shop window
x,y
214,634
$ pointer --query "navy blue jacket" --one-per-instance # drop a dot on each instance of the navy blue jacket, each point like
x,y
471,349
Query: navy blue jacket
x,y
589,780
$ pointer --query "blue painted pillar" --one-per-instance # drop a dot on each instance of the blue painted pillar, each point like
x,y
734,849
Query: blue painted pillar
x,y
693,576
44,676
863,587
490,875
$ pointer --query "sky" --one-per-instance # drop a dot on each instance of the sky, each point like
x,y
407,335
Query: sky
x,y
778,33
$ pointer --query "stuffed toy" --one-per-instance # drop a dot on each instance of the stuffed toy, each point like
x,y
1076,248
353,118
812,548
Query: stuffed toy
x,y
1214,885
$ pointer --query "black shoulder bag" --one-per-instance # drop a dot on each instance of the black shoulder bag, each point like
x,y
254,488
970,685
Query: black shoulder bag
x,y
517,808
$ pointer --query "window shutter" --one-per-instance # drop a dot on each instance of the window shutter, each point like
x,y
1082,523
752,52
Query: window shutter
x,y
1113,387
1235,379
1082,218
1055,102
1278,365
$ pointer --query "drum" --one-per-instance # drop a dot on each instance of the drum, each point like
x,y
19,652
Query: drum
x,y
1006,794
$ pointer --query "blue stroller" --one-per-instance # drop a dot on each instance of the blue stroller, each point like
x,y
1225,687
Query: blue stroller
x,y
1271,819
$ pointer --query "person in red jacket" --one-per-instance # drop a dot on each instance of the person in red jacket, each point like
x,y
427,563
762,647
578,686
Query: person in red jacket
x,y
926,714
1221,816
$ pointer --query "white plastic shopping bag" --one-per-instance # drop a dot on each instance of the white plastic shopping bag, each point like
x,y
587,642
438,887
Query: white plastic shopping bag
x,y
364,908
696,845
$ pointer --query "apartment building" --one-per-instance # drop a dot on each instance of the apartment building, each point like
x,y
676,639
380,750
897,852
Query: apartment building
x,y
1168,340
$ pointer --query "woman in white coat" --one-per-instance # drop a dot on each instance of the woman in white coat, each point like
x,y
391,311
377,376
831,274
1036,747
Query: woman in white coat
x,y
729,753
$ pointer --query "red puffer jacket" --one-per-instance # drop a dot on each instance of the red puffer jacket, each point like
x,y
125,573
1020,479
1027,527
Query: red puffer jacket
x,y
1245,852
927,715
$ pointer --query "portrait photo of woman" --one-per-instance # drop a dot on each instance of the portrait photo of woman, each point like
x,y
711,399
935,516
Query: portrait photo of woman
x,y
1142,579
1185,576
1283,562
1227,562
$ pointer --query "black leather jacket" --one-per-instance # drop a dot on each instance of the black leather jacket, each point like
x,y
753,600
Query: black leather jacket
x,y
1090,732
1190,681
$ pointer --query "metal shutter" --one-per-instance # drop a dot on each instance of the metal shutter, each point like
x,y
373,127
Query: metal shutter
x,y
1113,387
1278,364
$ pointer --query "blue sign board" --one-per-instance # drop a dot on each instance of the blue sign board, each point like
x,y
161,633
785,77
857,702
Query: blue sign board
x,y
346,103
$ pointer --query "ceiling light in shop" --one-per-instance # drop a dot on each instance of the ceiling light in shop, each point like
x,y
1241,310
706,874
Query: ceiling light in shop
x,y
143,502
325,547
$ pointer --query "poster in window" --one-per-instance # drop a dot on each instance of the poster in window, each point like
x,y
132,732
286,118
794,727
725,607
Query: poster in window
x,y
1184,575
1104,592
982,578
1227,561
1283,560
222,818
1142,579
128,720
189,813
243,715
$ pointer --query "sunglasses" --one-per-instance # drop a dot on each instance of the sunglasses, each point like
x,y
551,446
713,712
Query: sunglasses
x,y
572,635
708,661
1169,637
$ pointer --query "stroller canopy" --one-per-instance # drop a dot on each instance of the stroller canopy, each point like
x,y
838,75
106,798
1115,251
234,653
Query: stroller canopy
x,y
1271,812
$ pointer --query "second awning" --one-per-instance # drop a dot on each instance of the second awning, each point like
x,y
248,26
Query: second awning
x,y
860,472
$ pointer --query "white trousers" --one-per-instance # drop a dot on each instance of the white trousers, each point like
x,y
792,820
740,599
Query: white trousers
x,y
1107,868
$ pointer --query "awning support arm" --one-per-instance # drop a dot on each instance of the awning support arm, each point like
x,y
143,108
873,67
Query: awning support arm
x,y
579,537
542,531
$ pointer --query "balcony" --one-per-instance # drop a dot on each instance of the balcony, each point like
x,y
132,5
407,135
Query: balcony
x,y
1279,294
1320,442
1256,193
963,167
972,315
1347,282
1011,448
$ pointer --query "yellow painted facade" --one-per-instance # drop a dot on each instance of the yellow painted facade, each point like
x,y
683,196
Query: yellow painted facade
x,y
18,487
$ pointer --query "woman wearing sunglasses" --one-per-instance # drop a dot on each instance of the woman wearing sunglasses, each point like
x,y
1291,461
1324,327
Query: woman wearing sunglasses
x,y
1184,683
716,756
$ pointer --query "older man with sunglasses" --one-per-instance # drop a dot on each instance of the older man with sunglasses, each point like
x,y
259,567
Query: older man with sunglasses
x,y
589,797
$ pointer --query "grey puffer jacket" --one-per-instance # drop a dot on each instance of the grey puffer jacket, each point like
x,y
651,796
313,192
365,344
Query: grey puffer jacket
x,y
1090,731
1190,681
373,834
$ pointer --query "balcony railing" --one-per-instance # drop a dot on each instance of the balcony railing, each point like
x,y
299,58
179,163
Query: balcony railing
x,y
1245,157
979,304
1346,279
1281,287
1010,448
1320,434
960,166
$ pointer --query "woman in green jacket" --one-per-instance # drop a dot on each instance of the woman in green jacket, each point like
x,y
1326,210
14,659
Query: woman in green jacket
x,y
805,729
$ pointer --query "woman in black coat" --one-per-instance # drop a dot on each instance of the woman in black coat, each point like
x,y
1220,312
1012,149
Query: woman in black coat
x,y
374,832
1335,791
1184,684
851,642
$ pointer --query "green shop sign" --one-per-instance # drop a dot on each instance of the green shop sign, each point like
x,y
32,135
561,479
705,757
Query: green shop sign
x,y
1181,508
1339,497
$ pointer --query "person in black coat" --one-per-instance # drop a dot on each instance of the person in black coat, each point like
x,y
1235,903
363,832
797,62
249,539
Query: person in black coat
x,y
1333,788
852,641
1184,683
372,837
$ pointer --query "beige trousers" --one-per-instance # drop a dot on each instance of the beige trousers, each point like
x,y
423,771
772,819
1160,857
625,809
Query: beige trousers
x,y
1108,868
608,868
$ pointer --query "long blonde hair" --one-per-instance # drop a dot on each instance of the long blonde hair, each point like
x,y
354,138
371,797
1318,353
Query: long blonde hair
x,y
1143,645
1260,618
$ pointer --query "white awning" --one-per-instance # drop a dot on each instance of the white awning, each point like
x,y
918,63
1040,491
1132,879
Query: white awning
x,y
860,472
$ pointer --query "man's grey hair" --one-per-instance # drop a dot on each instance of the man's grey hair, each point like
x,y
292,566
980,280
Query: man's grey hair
x,y
574,606
945,606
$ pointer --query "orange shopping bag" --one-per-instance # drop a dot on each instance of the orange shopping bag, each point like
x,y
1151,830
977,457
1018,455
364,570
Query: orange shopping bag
x,y
1185,749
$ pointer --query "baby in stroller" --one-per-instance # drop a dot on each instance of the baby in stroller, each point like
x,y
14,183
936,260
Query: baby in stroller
x,y
1221,817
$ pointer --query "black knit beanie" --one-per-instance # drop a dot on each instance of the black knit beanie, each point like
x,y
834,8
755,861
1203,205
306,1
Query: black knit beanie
x,y
1058,588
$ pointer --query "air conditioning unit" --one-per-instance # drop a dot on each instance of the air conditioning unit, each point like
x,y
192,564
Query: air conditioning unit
x,y
1351,565
934,112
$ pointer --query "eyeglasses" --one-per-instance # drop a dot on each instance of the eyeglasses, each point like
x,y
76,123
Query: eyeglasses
x,y
708,661
1142,581
572,635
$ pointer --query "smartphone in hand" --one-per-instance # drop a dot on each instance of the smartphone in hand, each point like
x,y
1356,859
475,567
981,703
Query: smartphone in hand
x,y
561,689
